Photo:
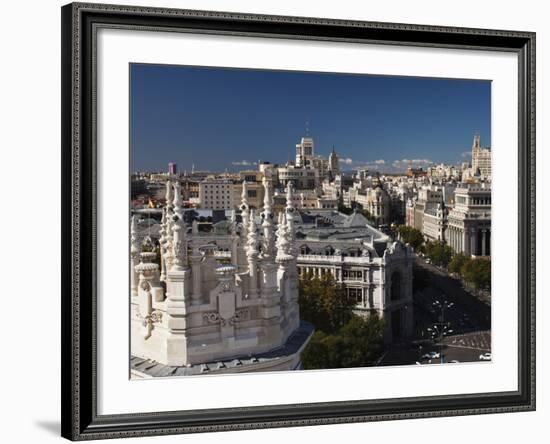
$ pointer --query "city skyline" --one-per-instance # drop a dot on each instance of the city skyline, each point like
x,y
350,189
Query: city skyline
x,y
230,119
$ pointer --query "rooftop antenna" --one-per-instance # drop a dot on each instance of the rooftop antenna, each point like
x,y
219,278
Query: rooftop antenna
x,y
307,127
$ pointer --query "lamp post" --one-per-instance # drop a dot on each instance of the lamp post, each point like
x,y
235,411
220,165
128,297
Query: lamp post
x,y
441,329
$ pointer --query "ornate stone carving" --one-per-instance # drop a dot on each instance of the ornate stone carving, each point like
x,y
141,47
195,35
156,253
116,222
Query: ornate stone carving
x,y
149,320
240,315
226,275
212,317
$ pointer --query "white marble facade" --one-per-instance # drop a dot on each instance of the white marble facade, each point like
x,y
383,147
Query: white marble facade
x,y
193,311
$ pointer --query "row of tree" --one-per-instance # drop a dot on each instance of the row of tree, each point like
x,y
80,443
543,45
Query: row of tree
x,y
342,339
476,271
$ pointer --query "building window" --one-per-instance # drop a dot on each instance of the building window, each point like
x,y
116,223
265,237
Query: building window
x,y
354,275
355,295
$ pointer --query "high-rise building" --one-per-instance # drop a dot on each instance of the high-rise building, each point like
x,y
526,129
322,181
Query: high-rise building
x,y
305,152
172,168
333,165
481,158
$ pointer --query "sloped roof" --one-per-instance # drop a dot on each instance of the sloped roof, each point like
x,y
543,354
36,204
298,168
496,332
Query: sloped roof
x,y
356,220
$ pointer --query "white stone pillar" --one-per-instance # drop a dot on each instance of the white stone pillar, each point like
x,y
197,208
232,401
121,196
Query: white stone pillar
x,y
252,256
134,257
196,258
473,242
483,242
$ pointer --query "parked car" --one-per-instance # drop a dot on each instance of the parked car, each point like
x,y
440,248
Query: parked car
x,y
485,357
431,355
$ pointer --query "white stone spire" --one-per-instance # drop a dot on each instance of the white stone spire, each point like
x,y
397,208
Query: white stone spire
x,y
134,240
163,240
178,231
134,256
252,238
169,195
283,239
252,255
178,203
289,211
245,210
268,247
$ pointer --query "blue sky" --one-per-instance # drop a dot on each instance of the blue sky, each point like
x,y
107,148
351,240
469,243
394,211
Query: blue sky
x,y
218,118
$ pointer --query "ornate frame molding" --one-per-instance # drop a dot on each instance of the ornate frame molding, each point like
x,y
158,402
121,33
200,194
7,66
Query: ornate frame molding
x,y
80,420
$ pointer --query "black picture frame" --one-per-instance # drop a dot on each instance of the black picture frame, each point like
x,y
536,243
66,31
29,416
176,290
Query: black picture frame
x,y
79,171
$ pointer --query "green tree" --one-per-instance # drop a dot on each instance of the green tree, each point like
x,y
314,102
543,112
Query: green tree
x,y
477,271
357,344
439,253
324,303
345,210
457,262
411,236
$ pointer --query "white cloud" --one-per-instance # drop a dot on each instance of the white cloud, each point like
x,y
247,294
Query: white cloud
x,y
363,164
411,162
347,161
244,163
466,154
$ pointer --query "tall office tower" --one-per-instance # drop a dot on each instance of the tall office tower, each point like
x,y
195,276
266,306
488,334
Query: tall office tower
x,y
172,168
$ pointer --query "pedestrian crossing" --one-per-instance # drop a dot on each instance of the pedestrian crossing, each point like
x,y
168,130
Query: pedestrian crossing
x,y
475,340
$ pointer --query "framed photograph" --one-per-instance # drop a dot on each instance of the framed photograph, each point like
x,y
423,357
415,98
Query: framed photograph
x,y
275,221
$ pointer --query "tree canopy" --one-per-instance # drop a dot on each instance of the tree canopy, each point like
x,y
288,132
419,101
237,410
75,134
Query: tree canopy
x,y
477,271
457,262
342,339
439,253
324,303
411,236
358,344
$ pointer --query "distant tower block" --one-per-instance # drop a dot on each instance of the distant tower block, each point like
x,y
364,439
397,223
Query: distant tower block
x,y
172,168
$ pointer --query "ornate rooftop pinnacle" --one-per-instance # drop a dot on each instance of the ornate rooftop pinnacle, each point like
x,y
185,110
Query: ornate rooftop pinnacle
x,y
134,241
289,196
283,240
267,224
233,220
245,210
169,194
244,195
179,244
178,203
289,210
252,239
